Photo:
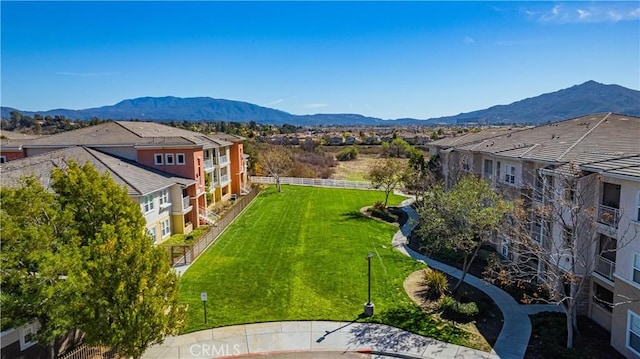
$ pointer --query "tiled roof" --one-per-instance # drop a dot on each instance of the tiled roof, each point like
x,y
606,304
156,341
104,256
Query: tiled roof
x,y
128,133
625,166
138,179
227,137
580,140
474,138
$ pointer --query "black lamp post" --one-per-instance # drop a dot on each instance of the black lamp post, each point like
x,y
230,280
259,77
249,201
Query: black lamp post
x,y
368,306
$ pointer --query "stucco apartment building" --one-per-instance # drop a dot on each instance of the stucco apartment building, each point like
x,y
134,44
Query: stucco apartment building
x,y
167,170
530,163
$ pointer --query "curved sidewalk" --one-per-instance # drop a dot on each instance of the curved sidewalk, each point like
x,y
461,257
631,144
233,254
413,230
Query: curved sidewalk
x,y
516,328
308,336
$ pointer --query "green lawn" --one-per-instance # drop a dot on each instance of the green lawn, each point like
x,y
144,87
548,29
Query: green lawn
x,y
300,255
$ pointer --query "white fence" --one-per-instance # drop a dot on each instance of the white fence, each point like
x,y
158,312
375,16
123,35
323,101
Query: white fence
x,y
319,182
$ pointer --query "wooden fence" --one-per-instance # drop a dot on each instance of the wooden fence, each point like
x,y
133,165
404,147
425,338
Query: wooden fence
x,y
183,254
320,182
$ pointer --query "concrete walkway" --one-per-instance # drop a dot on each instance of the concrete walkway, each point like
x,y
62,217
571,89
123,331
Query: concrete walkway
x,y
381,341
516,329
305,336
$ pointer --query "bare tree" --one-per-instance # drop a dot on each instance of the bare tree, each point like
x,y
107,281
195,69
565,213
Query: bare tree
x,y
275,161
553,239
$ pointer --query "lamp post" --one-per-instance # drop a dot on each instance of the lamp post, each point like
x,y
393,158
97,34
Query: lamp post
x,y
368,306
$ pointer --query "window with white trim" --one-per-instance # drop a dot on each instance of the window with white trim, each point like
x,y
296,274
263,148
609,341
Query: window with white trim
x,y
147,203
509,174
166,228
164,197
633,332
153,232
504,250
180,159
168,159
3,159
636,268
158,159
27,335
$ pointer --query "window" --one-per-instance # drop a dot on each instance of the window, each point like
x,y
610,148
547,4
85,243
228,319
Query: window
x,y
636,268
488,168
164,197
536,230
168,159
3,159
153,232
633,329
180,159
504,250
166,229
509,174
567,237
147,203
603,297
27,333
158,159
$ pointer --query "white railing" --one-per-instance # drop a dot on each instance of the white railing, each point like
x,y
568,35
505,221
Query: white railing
x,y
208,163
185,203
605,266
320,182
224,179
608,215
223,159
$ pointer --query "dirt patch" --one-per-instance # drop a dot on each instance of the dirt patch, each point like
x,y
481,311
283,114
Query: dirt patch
x,y
486,327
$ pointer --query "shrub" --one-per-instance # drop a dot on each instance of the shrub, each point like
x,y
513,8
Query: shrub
x,y
454,310
347,154
436,283
379,205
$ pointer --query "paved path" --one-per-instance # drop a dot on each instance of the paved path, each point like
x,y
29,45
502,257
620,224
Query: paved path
x,y
376,339
283,337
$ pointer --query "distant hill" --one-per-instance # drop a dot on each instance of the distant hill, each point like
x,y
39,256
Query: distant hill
x,y
589,97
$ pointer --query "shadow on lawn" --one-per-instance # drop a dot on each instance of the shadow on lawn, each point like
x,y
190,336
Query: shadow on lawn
x,y
355,216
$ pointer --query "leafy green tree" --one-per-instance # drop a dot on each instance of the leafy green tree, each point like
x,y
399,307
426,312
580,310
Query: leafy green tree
x,y
461,219
80,258
347,154
132,301
386,174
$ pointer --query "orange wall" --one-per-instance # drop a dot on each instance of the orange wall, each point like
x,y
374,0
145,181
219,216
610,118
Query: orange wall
x,y
192,168
235,156
12,155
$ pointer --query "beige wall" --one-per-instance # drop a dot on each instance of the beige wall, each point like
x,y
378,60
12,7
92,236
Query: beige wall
x,y
619,318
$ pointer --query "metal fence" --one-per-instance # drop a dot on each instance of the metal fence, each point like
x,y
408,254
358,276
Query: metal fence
x,y
87,352
183,254
319,182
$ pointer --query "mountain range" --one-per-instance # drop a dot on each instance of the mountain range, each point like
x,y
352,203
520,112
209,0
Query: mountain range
x,y
589,97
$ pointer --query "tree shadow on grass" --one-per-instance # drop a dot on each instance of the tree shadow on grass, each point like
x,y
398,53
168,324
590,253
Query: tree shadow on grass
x,y
355,216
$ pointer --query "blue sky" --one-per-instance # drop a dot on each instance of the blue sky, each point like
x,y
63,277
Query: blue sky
x,y
382,59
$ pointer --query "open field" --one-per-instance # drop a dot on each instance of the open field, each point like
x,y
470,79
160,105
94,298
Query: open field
x,y
300,255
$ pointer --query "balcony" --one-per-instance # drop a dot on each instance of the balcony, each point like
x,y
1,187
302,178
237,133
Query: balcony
x,y
208,164
608,215
605,267
223,159
224,179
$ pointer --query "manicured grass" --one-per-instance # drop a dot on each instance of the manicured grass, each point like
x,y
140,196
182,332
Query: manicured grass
x,y
301,255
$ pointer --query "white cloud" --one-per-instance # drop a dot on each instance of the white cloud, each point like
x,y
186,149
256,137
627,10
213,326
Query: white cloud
x,y
468,40
316,105
275,102
87,74
573,13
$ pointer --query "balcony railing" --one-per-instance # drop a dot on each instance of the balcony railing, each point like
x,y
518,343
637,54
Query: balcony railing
x,y
208,163
185,203
224,179
605,267
608,215
224,159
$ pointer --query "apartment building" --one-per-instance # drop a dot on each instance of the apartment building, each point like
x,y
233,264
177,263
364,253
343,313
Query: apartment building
x,y
138,151
602,153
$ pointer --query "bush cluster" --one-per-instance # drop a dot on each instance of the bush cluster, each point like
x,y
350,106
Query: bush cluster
x,y
347,154
436,283
455,310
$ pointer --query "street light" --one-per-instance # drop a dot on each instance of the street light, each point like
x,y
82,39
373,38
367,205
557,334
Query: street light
x,y
368,306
